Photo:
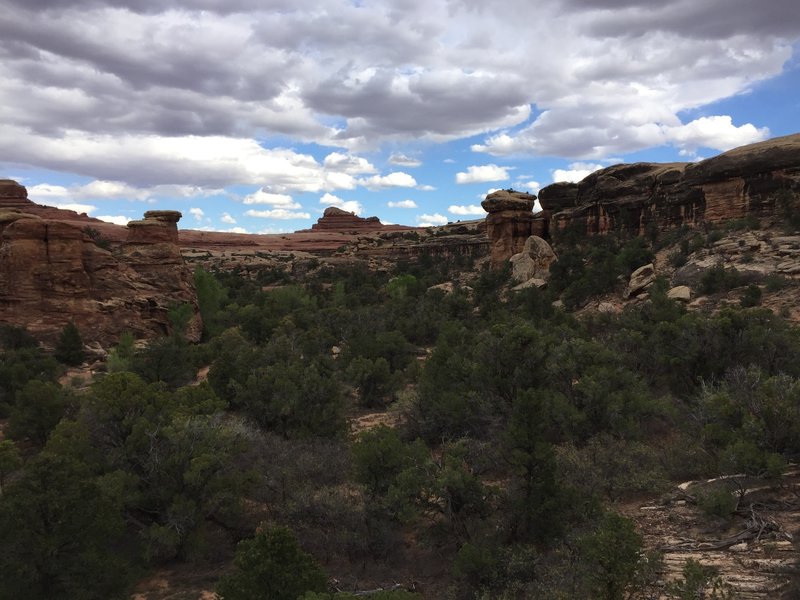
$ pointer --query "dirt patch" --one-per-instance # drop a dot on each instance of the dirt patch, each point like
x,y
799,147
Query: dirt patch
x,y
756,551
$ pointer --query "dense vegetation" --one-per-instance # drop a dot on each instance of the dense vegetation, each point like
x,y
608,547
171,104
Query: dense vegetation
x,y
518,426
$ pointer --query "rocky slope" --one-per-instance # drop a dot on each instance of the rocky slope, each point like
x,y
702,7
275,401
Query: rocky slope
x,y
53,272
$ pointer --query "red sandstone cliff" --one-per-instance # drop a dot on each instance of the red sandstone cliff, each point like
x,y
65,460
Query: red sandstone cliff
x,y
635,197
52,272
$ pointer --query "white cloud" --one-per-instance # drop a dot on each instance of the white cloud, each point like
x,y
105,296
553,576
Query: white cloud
x,y
717,133
197,213
227,218
77,207
402,204
482,173
348,163
395,179
115,219
236,230
431,220
277,213
426,188
470,209
280,200
576,172
191,93
529,186
402,160
348,205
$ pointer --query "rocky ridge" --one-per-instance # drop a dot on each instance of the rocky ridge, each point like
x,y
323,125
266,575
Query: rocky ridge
x,y
635,198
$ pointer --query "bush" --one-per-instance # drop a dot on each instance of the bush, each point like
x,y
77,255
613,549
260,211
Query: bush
x,y
751,296
272,566
718,501
69,349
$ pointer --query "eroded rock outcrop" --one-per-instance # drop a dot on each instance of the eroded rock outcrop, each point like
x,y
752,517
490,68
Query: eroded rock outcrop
x,y
52,272
510,223
336,219
534,261
639,197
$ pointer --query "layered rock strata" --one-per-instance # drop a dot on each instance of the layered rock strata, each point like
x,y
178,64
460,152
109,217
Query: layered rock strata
x,y
639,197
52,272
510,223
336,219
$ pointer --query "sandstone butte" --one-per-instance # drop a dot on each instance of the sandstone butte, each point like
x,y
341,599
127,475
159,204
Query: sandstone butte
x,y
51,271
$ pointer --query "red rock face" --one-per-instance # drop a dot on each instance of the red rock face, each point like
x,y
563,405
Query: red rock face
x,y
509,223
51,273
336,219
635,198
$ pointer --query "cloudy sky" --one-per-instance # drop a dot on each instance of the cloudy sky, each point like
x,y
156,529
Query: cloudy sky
x,y
254,115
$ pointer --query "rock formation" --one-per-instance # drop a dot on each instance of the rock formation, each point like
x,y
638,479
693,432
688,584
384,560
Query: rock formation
x,y
52,272
510,223
336,219
637,197
533,262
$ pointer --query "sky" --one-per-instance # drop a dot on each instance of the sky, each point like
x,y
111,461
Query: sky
x,y
253,116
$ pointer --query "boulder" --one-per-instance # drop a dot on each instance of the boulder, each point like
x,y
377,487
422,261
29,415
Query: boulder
x,y
534,261
680,292
641,279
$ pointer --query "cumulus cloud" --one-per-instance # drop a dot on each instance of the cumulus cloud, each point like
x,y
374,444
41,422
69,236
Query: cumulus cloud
x,y
401,160
228,219
348,205
482,173
433,220
197,213
402,204
115,219
392,180
576,172
195,92
470,209
236,230
278,213
528,185
263,197
77,207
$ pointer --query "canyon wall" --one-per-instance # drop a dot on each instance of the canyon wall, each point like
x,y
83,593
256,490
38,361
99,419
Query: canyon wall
x,y
53,272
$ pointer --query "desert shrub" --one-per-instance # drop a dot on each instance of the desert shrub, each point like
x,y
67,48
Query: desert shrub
x,y
718,501
69,348
751,296
271,566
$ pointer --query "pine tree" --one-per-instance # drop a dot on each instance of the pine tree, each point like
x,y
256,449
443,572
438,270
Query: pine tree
x,y
69,349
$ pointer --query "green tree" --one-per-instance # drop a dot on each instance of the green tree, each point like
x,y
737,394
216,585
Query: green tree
x,y
272,566
537,499
210,298
121,357
373,379
39,406
69,348
59,534
10,461
613,553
